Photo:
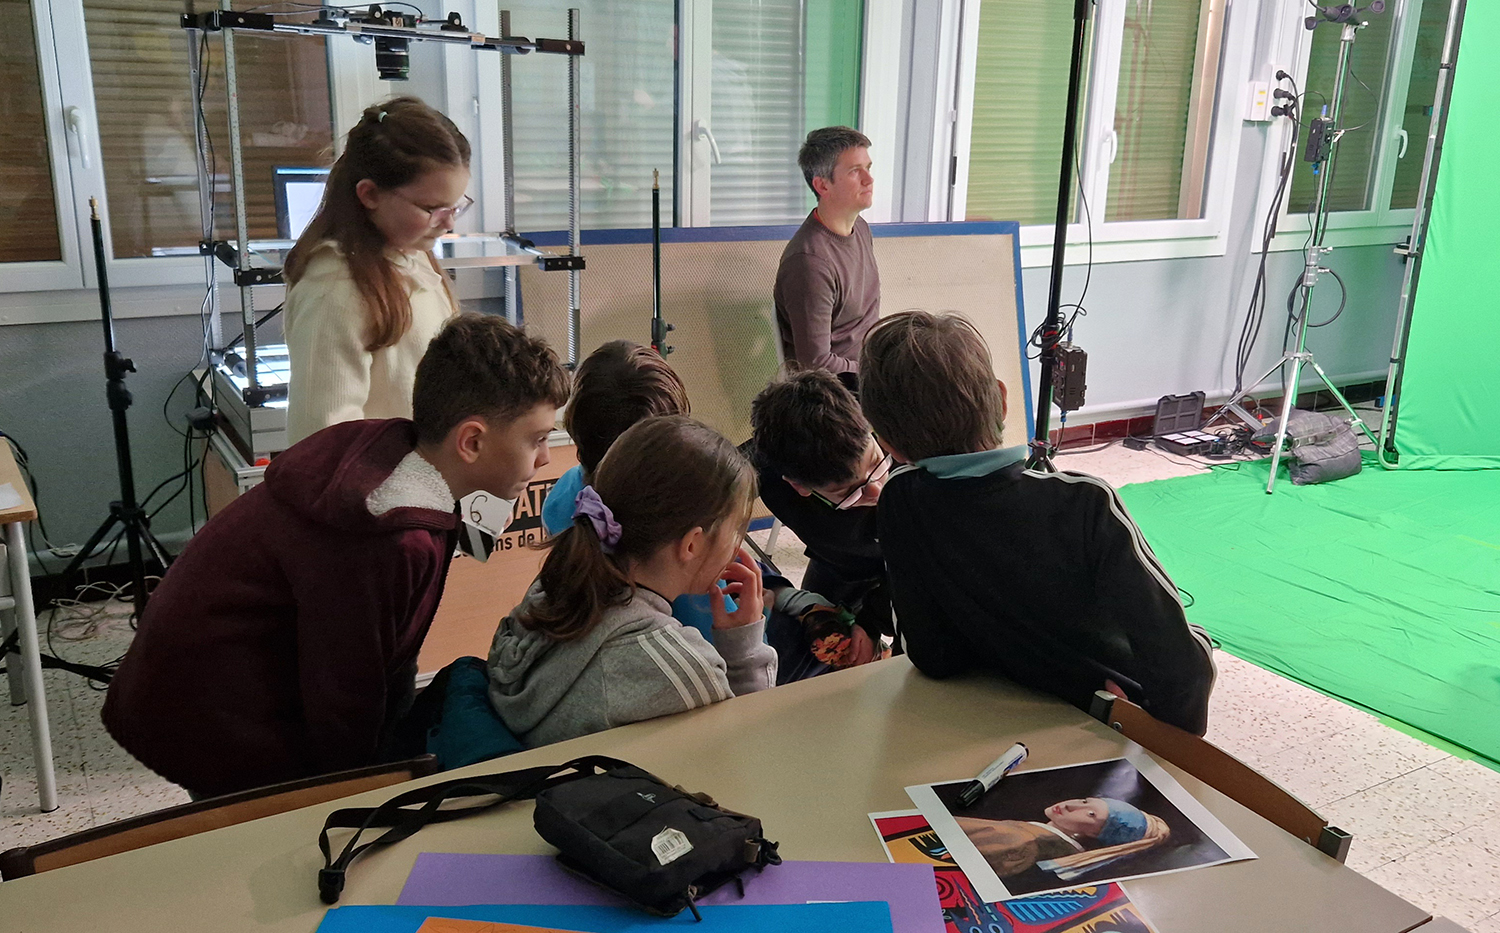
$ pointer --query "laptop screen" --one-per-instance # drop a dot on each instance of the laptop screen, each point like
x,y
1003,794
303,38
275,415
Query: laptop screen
x,y
299,191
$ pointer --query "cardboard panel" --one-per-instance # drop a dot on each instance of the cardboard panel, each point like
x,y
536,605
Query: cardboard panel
x,y
716,292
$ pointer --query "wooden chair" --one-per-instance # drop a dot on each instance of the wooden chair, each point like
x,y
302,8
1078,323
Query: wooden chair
x,y
203,815
1222,771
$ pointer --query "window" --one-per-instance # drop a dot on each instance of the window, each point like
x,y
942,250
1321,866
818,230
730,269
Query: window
x,y
628,102
1350,187
1387,106
1416,116
1020,95
1147,111
1163,111
100,103
765,72
29,230
143,96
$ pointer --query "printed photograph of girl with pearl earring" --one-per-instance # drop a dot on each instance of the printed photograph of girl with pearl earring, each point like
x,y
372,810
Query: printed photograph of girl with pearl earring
x,y
1056,828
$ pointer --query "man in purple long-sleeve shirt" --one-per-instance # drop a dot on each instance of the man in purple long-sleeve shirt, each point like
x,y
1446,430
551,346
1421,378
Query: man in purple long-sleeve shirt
x,y
828,287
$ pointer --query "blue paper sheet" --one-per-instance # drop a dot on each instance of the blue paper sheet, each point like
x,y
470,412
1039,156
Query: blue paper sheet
x,y
854,917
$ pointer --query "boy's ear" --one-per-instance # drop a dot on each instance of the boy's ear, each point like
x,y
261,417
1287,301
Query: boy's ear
x,y
467,439
801,489
820,186
1004,399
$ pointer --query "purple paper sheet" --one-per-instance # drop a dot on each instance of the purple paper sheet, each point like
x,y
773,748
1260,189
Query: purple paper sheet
x,y
447,880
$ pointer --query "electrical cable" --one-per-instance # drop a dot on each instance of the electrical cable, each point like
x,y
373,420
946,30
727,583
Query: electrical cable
x,y
1035,340
1255,314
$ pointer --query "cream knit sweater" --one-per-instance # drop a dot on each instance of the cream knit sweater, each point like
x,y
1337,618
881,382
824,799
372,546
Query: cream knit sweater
x,y
334,378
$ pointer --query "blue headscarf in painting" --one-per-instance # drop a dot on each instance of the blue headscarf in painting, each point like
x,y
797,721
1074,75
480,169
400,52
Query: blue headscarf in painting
x,y
1124,824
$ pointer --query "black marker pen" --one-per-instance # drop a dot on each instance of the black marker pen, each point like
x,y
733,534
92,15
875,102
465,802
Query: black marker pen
x,y
991,776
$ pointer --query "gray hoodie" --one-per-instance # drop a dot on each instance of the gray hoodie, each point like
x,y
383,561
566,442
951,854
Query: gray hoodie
x,y
637,663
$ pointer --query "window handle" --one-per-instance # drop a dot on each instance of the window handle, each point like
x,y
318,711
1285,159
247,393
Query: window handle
x,y
1112,140
701,131
78,126
1405,138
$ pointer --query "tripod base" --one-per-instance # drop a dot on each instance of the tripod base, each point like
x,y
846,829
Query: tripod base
x,y
1288,401
1298,360
136,527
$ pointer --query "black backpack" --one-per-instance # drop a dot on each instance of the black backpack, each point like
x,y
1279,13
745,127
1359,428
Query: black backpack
x,y
660,847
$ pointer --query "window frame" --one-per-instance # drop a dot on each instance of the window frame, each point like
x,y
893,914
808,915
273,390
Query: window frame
x,y
1379,224
1136,240
67,154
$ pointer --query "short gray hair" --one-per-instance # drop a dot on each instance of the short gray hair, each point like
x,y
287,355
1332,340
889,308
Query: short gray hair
x,y
820,152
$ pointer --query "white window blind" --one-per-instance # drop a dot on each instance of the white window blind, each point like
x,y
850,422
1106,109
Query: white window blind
x,y
628,106
758,118
28,206
143,96
1156,98
1020,95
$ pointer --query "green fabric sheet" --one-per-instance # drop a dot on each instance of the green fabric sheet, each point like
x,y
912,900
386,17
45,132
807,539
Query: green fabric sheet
x,y
1382,589
1451,381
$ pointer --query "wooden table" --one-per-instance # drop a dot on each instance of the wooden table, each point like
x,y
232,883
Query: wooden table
x,y
18,613
810,759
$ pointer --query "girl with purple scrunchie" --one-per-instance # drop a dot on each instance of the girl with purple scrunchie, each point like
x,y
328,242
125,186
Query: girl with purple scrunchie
x,y
594,644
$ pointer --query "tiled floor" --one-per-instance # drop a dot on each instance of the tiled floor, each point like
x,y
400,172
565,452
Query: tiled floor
x,y
1426,824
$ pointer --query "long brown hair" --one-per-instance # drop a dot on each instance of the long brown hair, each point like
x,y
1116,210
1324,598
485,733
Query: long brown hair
x,y
393,143
661,479
617,385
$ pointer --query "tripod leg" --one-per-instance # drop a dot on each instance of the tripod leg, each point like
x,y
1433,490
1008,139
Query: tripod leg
x,y
158,550
1358,421
138,595
1287,401
1233,405
87,550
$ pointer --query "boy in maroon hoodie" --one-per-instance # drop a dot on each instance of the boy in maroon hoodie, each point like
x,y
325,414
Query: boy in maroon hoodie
x,y
283,642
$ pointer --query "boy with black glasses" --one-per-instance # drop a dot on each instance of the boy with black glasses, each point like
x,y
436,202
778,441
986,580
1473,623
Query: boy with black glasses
x,y
821,472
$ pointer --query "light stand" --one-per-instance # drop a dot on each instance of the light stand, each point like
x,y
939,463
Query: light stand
x,y
1416,242
659,326
1299,356
126,512
1041,445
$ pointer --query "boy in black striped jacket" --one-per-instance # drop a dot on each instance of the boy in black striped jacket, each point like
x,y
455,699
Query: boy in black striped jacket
x,y
1041,577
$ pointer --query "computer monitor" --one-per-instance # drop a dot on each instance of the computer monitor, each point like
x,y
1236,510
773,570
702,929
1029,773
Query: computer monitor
x,y
299,191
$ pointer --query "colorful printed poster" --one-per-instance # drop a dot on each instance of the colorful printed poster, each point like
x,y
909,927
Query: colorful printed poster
x,y
908,838
1064,828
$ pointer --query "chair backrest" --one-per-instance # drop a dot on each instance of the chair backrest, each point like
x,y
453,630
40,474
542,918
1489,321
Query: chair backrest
x,y
1222,771
204,815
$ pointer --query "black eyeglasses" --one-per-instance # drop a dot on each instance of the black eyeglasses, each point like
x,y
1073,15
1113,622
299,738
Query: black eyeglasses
x,y
881,471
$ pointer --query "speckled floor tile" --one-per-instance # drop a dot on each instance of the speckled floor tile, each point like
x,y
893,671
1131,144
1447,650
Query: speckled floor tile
x,y
1454,878
1481,781
1490,924
1346,762
1395,819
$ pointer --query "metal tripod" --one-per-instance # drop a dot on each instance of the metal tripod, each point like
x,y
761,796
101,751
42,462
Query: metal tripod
x,y
1299,356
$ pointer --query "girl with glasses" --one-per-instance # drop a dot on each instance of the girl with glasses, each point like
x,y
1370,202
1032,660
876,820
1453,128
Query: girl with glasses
x,y
364,292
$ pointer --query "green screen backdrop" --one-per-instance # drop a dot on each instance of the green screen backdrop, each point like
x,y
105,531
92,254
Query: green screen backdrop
x,y
1452,377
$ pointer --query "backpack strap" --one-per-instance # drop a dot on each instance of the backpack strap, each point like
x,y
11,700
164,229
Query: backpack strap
x,y
409,811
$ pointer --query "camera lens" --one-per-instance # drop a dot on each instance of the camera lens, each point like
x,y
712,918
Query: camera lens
x,y
393,59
